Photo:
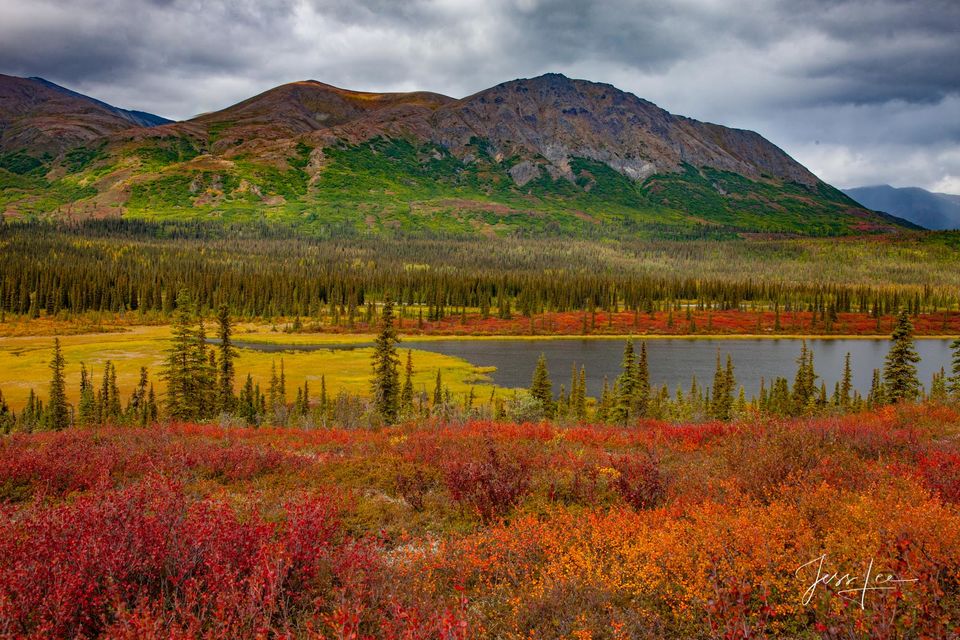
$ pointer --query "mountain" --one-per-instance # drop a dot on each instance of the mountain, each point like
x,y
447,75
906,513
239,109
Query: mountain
x,y
927,209
38,116
136,118
540,155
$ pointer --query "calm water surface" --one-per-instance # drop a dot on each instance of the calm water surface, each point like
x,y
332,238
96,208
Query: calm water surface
x,y
672,361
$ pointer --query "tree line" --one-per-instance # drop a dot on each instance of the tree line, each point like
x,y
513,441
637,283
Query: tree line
x,y
201,385
129,266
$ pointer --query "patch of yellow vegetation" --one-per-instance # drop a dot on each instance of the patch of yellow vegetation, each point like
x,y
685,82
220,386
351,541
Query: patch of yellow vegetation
x,y
24,363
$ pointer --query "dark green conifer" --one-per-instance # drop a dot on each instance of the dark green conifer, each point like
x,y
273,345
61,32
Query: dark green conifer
x,y
180,368
900,370
225,399
58,412
953,382
87,409
541,388
385,385
406,394
627,383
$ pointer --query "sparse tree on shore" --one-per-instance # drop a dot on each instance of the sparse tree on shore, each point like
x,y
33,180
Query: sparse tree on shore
x,y
385,386
900,369
58,412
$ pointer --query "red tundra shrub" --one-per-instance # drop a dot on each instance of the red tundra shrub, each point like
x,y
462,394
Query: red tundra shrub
x,y
413,482
118,559
54,464
639,481
57,464
940,470
491,481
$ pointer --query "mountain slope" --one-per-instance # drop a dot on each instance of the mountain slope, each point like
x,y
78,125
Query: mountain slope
x,y
136,118
40,116
547,154
927,209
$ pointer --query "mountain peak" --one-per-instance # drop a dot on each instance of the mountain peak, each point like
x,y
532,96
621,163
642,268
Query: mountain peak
x,y
41,116
548,152
136,118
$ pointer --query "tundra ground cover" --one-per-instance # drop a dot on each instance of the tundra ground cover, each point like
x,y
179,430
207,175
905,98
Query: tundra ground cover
x,y
486,530
24,361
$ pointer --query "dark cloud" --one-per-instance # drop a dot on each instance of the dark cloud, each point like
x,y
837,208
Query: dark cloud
x,y
861,90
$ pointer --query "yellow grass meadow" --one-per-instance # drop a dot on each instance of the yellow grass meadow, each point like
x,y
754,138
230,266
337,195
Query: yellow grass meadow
x,y
24,362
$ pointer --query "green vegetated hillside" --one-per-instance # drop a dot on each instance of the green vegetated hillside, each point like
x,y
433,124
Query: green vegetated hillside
x,y
401,163
397,185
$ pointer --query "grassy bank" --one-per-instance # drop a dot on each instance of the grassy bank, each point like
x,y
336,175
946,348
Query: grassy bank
x,y
24,364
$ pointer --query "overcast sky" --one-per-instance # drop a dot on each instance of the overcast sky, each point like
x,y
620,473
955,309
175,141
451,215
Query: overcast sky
x,y
860,91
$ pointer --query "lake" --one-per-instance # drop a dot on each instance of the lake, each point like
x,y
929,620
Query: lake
x,y
672,360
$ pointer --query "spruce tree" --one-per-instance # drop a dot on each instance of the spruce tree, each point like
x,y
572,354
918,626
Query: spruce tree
x,y
642,392
305,406
153,411
248,402
88,403
226,354
846,384
541,387
110,393
385,385
900,370
938,386
740,407
804,385
137,406
721,405
204,381
33,413
58,413
877,395
953,382
729,384
7,417
578,395
437,392
603,406
781,401
715,399
273,390
627,384
179,370
324,400
406,395
574,384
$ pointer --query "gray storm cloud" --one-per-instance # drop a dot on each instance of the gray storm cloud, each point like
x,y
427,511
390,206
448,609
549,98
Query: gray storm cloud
x,y
862,91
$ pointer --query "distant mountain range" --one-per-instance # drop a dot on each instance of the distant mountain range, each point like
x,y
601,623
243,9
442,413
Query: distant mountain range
x,y
925,208
541,155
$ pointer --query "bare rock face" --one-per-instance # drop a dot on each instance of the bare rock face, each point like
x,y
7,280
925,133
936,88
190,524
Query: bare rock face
x,y
545,121
524,172
556,118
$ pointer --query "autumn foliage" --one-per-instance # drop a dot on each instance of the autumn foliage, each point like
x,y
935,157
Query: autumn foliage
x,y
486,530
680,322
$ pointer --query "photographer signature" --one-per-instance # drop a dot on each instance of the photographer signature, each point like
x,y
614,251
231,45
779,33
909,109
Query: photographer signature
x,y
851,587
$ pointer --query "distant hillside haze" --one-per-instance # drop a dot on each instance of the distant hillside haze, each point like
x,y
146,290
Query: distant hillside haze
x,y
925,208
541,155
